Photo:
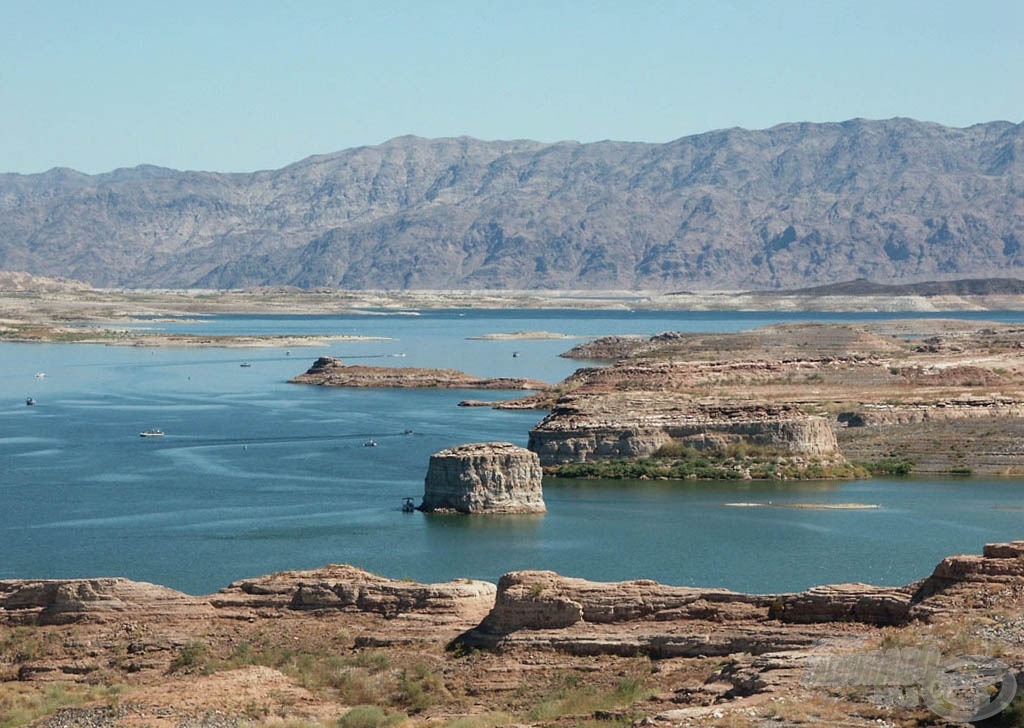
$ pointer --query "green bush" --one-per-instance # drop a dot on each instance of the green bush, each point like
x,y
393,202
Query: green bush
x,y
368,716
192,657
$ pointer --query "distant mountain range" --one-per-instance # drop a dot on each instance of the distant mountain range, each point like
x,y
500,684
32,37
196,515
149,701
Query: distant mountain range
x,y
801,204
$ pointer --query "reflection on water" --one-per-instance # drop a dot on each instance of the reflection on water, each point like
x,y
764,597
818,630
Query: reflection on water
x,y
257,475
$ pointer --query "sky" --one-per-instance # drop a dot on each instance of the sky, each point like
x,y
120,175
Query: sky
x,y
238,86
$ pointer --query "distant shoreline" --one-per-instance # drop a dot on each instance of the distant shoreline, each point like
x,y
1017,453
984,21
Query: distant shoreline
x,y
41,309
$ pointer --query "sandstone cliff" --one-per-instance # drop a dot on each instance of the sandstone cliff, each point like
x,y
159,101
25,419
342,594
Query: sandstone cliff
x,y
544,609
305,646
580,429
488,477
796,400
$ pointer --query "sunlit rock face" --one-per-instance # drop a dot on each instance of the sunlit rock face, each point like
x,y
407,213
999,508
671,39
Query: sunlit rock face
x,y
488,477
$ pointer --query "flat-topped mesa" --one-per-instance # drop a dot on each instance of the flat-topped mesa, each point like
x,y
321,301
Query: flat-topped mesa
x,y
638,425
330,372
345,588
484,477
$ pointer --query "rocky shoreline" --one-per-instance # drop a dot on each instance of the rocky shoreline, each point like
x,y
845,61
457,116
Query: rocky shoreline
x,y
494,653
332,372
791,401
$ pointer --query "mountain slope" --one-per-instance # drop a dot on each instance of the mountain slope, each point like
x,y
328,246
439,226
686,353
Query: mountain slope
x,y
799,204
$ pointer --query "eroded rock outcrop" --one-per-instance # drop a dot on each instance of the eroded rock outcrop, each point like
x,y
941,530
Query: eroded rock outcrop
x,y
874,414
347,588
544,609
56,601
546,600
845,603
330,372
582,429
487,477
969,581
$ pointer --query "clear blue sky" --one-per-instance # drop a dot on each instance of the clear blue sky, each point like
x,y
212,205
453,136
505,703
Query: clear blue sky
x,y
238,86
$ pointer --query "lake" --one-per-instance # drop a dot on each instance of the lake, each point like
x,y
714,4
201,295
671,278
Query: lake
x,y
256,475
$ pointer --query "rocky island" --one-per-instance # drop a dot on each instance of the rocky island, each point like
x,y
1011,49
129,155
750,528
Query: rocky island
x,y
332,372
484,477
340,646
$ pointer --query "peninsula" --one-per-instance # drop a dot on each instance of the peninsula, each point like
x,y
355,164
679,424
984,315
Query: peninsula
x,y
804,400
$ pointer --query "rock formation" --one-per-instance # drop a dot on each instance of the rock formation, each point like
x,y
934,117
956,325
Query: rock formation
x,y
581,429
330,372
544,609
676,655
791,401
346,588
489,477
62,601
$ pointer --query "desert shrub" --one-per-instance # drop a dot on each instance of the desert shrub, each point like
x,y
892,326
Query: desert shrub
x,y
192,657
889,466
418,688
368,716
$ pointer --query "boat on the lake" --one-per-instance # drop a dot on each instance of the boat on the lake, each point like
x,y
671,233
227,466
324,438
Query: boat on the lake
x,y
245,364
30,401
151,433
370,443
408,506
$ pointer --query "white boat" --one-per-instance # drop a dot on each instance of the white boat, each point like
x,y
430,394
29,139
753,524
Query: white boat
x,y
370,443
245,365
40,375
151,433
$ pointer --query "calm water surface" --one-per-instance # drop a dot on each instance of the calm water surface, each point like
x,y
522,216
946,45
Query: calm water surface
x,y
256,475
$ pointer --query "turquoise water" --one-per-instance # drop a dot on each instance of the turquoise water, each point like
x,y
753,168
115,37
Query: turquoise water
x,y
257,475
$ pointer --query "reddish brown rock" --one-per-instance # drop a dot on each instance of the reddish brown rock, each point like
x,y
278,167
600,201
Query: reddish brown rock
x,y
330,372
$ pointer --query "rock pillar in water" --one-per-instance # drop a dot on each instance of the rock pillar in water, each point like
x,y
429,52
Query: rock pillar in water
x,y
484,477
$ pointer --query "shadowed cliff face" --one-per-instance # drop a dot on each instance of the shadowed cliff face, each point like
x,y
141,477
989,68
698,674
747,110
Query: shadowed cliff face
x,y
893,201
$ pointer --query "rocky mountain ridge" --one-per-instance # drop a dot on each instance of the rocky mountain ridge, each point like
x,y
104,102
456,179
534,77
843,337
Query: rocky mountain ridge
x,y
799,204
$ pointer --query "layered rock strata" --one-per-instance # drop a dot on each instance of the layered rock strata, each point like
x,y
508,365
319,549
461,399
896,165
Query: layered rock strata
x,y
347,588
585,428
723,658
488,477
923,396
64,601
544,609
330,372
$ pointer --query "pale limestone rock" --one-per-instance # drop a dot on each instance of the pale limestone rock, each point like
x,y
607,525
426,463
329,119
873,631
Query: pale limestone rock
x,y
346,588
57,601
597,427
488,477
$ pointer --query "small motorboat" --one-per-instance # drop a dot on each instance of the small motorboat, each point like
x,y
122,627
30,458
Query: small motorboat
x,y
30,401
370,443
407,505
40,375
151,433
245,365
